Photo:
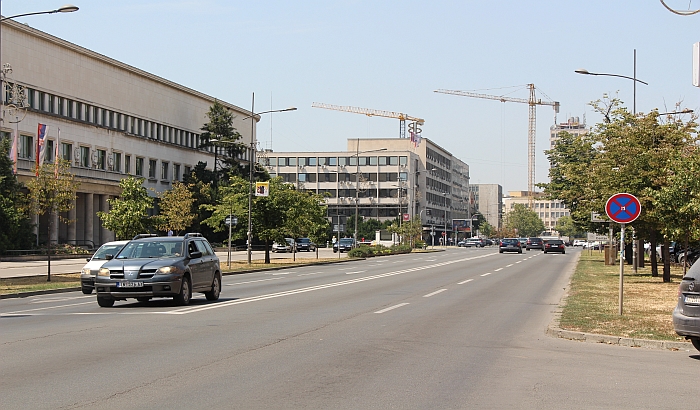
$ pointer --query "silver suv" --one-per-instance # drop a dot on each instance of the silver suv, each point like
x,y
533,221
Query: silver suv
x,y
686,315
170,266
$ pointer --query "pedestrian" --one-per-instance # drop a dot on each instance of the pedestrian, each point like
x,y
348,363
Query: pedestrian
x,y
170,232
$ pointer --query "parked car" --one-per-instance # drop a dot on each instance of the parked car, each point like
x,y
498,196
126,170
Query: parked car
x,y
471,242
343,245
579,242
169,266
305,244
554,245
534,243
510,245
94,263
283,247
686,315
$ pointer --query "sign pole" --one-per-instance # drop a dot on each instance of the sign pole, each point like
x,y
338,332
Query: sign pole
x,y
622,266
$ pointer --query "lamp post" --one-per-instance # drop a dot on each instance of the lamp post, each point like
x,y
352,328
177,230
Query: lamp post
x,y
357,182
634,79
251,159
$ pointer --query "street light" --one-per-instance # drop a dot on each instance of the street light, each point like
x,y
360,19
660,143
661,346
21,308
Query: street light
x,y
357,182
68,8
634,79
251,165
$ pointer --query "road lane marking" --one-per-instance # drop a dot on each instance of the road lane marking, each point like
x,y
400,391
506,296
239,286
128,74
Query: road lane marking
x,y
47,300
282,273
465,281
45,308
391,308
499,269
518,262
434,293
309,274
508,266
430,260
251,281
357,271
486,274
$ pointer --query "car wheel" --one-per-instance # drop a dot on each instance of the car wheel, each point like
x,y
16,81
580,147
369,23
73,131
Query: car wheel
x,y
500,251
545,251
143,299
563,253
183,298
86,290
105,302
696,342
520,251
215,291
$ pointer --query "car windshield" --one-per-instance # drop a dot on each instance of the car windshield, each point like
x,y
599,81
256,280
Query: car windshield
x,y
509,241
346,241
151,249
304,240
107,250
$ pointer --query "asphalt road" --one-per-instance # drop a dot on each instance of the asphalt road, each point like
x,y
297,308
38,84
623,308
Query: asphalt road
x,y
457,329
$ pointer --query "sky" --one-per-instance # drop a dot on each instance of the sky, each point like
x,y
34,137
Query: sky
x,y
391,55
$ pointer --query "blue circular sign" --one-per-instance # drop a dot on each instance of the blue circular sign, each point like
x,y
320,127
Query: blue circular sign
x,y
623,208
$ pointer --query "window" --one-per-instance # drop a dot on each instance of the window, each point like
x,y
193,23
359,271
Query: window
x,y
50,151
152,164
139,166
292,162
302,162
342,161
332,161
26,147
403,160
382,160
101,159
312,161
176,172
302,177
164,170
393,160
372,160
66,151
117,161
188,171
328,177
282,162
127,164
85,157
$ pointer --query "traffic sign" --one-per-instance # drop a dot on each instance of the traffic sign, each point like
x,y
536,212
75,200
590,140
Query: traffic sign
x,y
623,208
231,221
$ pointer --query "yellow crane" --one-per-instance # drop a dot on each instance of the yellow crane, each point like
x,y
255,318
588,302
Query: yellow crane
x,y
533,102
377,113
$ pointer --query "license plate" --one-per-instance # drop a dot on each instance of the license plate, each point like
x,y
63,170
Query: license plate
x,y
692,300
129,284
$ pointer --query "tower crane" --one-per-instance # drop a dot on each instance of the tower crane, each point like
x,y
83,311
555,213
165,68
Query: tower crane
x,y
533,102
377,113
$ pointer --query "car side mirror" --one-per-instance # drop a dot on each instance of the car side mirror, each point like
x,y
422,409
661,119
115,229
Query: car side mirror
x,y
195,255
109,257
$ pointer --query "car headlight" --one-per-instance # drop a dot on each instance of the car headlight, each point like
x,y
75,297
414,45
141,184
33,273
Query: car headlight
x,y
103,272
165,270
86,271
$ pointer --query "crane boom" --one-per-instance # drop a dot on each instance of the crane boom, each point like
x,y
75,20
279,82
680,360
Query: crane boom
x,y
532,102
369,112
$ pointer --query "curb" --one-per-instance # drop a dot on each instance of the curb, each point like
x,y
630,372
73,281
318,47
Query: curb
x,y
554,330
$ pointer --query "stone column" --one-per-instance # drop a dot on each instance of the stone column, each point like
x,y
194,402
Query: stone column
x,y
54,228
71,230
89,217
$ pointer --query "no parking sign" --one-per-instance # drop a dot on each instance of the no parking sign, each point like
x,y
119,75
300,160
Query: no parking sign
x,y
623,208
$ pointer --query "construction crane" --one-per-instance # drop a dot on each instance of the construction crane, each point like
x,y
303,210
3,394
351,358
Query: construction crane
x,y
533,102
377,113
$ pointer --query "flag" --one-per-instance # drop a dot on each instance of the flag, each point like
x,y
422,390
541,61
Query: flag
x,y
13,153
262,189
41,134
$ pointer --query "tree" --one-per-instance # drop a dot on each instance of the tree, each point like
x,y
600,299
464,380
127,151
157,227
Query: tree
x,y
128,214
176,209
567,227
220,128
487,229
524,221
15,226
52,192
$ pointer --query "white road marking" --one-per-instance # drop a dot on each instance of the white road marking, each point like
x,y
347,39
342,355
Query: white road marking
x,y
46,308
499,269
309,274
391,308
508,266
48,300
518,261
358,271
486,274
434,293
465,281
430,260
251,281
282,273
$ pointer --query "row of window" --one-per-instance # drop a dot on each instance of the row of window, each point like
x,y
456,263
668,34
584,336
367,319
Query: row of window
x,y
546,205
553,214
438,158
343,177
110,119
332,161
86,157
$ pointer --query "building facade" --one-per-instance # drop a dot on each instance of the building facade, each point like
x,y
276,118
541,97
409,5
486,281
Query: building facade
x,y
383,178
488,200
114,120
549,211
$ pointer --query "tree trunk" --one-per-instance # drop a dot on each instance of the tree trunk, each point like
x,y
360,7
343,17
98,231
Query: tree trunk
x,y
267,251
685,253
652,255
640,253
48,249
667,261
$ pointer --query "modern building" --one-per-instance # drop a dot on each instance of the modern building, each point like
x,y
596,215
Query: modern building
x,y
114,120
572,126
488,200
383,178
549,211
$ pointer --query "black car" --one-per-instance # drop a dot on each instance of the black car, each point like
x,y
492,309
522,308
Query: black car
x,y
510,245
534,243
343,245
686,315
554,245
305,244
170,266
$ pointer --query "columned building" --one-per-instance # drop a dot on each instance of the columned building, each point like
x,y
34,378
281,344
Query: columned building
x,y
114,120
384,178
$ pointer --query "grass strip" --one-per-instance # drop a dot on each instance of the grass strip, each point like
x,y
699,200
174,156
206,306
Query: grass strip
x,y
592,303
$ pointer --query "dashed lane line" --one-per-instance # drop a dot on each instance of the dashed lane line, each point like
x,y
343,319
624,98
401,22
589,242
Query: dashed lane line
x,y
391,308
434,293
465,281
354,272
251,281
485,274
497,270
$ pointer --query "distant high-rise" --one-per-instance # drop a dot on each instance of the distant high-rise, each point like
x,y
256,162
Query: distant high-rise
x,y
572,126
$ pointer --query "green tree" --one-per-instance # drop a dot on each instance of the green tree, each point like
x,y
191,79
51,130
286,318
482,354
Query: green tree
x,y
524,221
567,227
176,209
50,193
128,214
15,226
220,128
487,229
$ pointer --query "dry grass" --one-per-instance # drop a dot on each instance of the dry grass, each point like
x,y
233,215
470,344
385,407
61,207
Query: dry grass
x,y
37,283
592,304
